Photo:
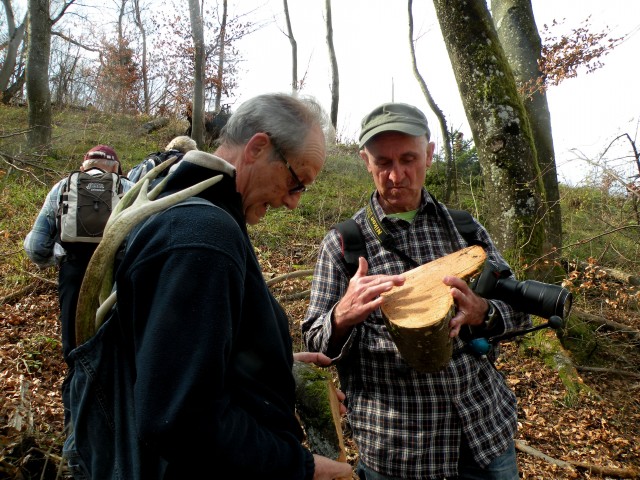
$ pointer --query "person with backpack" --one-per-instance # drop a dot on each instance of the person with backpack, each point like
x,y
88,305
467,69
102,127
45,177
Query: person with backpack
x,y
68,228
175,148
190,376
458,422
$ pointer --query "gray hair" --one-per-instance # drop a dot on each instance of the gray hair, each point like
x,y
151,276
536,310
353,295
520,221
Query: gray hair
x,y
285,117
101,163
182,144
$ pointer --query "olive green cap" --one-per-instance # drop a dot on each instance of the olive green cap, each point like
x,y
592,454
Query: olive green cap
x,y
393,117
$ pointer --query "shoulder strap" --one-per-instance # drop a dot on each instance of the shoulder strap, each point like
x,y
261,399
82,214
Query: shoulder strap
x,y
352,243
465,224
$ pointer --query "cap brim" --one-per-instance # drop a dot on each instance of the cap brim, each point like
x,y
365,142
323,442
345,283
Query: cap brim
x,y
414,130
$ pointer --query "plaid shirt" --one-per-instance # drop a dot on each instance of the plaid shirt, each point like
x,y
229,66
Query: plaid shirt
x,y
409,424
40,243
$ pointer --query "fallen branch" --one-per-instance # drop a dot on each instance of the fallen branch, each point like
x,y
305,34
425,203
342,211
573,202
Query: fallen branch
x,y
296,296
603,322
615,274
155,124
609,371
571,465
26,289
523,447
289,276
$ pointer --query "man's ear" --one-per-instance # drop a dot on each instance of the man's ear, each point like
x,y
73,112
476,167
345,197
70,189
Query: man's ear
x,y
431,147
365,157
257,146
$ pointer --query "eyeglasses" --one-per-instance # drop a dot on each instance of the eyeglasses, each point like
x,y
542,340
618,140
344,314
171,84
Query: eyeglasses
x,y
300,187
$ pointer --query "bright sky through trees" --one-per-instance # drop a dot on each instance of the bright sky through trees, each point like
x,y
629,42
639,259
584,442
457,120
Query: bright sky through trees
x,y
371,41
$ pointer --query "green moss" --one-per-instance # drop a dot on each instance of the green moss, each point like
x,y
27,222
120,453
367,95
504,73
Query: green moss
x,y
314,408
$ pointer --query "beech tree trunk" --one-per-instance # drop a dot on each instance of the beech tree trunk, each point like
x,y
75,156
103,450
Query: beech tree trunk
x,y
14,40
451,187
144,69
500,128
335,77
221,55
197,32
294,49
37,75
518,34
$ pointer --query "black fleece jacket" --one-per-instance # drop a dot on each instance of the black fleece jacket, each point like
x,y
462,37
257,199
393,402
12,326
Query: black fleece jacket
x,y
211,348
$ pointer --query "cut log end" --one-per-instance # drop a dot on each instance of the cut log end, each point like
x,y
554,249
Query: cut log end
x,y
417,313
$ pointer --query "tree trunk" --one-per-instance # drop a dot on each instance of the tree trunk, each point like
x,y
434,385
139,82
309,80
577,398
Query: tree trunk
x,y
499,125
144,68
417,313
446,135
518,33
294,49
14,40
335,78
221,56
37,75
197,32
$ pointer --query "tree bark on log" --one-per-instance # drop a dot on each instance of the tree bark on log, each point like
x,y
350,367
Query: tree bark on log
x,y
417,313
155,124
616,274
318,408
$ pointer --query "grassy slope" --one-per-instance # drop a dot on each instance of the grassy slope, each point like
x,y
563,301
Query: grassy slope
x,y
285,240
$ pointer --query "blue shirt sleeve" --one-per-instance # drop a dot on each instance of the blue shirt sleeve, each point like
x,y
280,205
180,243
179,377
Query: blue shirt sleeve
x,y
39,242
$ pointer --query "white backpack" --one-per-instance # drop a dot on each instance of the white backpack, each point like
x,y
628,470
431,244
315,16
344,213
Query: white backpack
x,y
86,203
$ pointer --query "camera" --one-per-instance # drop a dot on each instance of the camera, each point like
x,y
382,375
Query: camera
x,y
536,298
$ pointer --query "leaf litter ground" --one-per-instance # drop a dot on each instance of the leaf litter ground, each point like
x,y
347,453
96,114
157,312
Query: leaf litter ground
x,y
600,428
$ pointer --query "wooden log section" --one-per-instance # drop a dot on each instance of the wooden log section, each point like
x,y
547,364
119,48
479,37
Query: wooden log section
x,y
318,409
417,314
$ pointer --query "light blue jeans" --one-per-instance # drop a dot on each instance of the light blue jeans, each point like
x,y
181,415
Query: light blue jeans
x,y
503,467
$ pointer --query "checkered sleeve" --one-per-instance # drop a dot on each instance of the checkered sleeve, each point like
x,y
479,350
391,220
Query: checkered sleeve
x,y
330,282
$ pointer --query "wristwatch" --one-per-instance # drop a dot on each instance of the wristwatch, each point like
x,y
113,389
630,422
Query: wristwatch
x,y
490,318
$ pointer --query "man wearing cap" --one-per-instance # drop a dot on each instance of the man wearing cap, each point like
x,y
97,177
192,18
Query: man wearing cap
x,y
44,247
455,423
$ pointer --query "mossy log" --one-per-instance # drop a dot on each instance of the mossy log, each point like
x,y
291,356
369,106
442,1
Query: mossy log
x,y
155,124
318,408
417,314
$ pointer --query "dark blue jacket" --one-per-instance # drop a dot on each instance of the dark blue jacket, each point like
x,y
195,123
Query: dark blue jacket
x,y
192,377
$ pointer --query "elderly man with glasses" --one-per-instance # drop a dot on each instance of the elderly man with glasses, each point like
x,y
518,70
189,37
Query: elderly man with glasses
x,y
197,359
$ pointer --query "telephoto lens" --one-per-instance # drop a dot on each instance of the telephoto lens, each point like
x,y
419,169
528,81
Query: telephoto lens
x,y
536,298
530,296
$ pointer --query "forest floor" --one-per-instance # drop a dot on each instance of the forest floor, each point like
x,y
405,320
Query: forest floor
x,y
595,431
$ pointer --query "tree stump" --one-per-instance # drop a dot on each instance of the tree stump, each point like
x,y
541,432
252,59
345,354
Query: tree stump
x,y
417,314
318,408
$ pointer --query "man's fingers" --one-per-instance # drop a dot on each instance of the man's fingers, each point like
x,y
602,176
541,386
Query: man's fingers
x,y
317,358
363,267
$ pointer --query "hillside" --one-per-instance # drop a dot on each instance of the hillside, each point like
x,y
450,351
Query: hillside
x,y
593,426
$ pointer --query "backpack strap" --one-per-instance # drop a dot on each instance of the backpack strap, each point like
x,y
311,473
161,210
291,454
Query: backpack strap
x,y
352,244
466,226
